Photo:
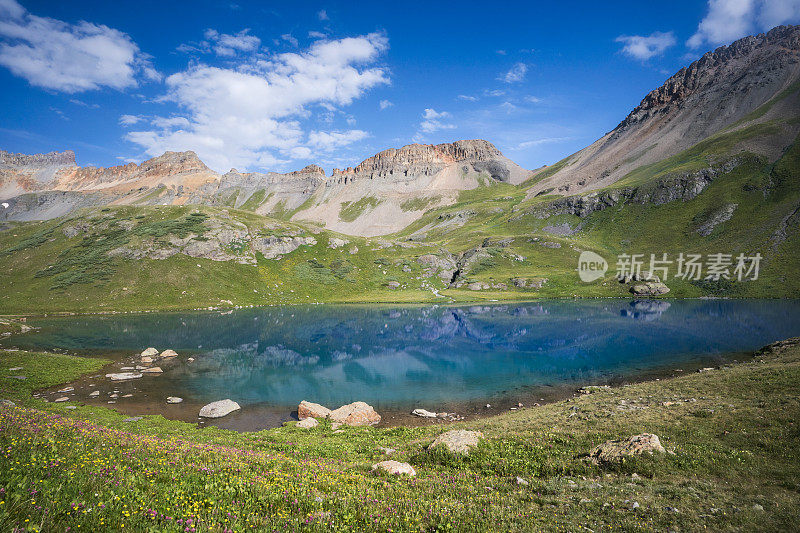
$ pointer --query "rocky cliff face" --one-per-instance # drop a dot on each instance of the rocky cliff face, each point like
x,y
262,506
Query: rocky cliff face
x,y
265,192
175,169
717,94
772,51
397,179
683,186
380,194
20,173
416,160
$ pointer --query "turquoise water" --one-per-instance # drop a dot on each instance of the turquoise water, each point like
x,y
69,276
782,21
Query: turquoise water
x,y
407,356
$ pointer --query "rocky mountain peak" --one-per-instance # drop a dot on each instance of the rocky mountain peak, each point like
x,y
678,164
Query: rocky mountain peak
x,y
309,169
419,159
755,54
175,162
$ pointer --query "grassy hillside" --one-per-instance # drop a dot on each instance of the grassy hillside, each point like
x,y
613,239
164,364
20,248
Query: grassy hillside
x,y
732,432
113,258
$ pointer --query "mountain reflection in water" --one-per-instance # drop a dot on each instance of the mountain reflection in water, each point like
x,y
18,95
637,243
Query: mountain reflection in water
x,y
401,356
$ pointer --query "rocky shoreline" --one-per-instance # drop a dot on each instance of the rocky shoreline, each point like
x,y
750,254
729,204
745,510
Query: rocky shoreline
x,y
115,387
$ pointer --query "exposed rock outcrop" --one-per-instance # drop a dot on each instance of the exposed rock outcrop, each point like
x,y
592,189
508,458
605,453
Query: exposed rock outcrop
x,y
458,441
616,450
415,160
650,288
684,186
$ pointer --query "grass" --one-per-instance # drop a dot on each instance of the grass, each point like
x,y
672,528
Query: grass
x,y
733,431
419,204
352,210
255,200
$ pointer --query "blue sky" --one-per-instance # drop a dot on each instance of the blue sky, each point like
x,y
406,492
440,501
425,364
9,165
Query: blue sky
x,y
276,86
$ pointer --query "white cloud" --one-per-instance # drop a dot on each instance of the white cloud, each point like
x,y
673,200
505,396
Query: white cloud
x,y
83,104
385,104
467,98
501,52
728,20
59,113
317,35
532,99
495,92
516,74
250,116
434,121
328,141
227,45
508,107
290,39
68,57
322,15
130,120
643,47
539,142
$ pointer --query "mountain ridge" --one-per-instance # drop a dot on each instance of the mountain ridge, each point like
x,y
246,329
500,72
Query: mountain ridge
x,y
744,97
715,93
409,172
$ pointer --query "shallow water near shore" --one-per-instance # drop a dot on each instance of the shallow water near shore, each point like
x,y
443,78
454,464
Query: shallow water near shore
x,y
396,358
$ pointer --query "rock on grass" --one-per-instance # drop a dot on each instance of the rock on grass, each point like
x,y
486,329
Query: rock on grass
x,y
616,450
458,441
395,467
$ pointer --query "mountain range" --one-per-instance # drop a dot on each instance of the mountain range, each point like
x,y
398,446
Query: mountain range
x,y
706,162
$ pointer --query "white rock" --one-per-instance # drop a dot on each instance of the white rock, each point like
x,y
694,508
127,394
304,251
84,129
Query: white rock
x,y
395,467
150,352
94,394
169,353
174,399
459,441
423,413
308,423
62,399
153,370
219,408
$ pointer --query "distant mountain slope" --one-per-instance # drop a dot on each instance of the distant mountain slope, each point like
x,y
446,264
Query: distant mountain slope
x,y
749,91
405,182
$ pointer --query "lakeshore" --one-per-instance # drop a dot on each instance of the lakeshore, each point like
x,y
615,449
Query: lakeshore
x,y
730,434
